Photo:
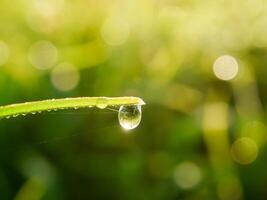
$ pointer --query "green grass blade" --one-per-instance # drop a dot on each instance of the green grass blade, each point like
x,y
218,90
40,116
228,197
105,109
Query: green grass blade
x,y
14,110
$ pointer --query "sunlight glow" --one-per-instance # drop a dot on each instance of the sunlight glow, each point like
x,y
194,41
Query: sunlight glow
x,y
45,15
48,7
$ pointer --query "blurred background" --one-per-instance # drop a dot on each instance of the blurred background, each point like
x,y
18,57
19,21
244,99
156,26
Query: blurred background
x,y
199,65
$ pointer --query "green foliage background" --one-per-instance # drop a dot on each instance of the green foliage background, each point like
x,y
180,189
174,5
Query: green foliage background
x,y
161,51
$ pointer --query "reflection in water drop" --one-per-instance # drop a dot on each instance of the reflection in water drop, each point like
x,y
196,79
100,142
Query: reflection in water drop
x,y
130,116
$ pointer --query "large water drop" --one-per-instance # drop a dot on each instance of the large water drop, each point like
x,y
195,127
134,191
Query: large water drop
x,y
130,116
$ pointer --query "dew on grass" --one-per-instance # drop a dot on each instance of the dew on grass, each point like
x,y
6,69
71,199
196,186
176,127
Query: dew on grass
x,y
130,116
102,102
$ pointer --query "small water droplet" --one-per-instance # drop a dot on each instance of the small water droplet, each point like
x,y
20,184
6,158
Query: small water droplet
x,y
101,102
33,113
130,116
7,117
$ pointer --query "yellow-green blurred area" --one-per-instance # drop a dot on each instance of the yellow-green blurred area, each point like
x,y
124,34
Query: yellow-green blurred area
x,y
200,66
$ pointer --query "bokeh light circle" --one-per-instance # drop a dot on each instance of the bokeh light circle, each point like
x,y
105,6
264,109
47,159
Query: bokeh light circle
x,y
115,31
65,77
244,150
225,67
187,175
43,55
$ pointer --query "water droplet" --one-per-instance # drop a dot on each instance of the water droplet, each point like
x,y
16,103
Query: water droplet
x,y
101,102
130,116
7,117
33,113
